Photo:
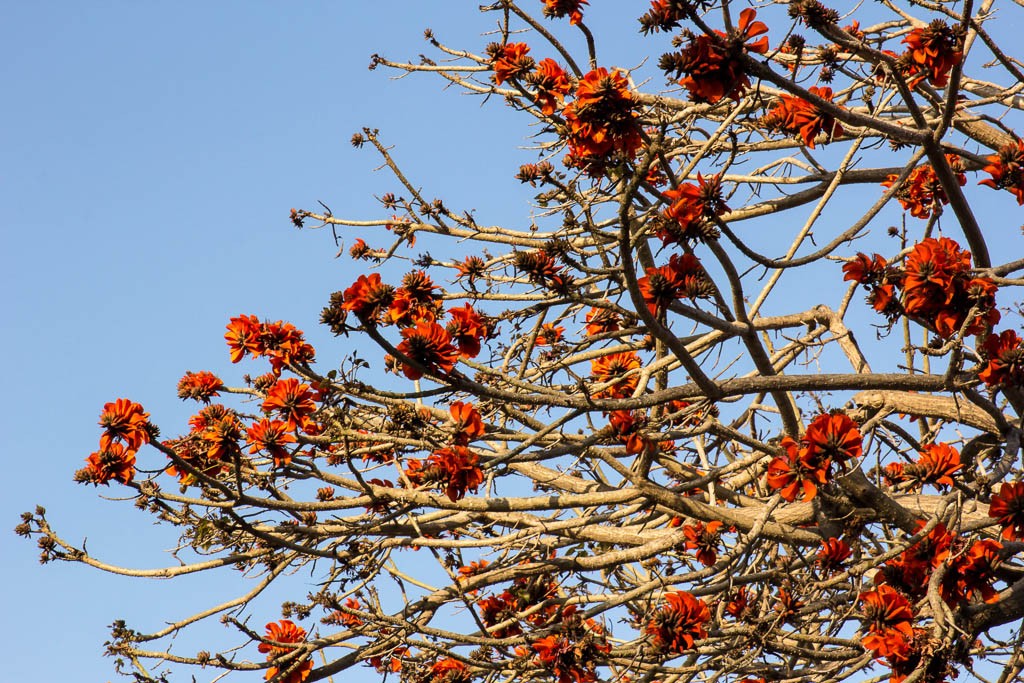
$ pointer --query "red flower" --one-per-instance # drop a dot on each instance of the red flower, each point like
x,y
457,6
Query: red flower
x,y
368,297
572,654
1007,170
615,366
602,320
1007,506
1004,355
243,336
511,61
467,329
972,573
922,193
888,616
797,116
833,437
286,637
560,8
602,120
468,423
551,85
705,539
429,345
126,421
832,554
194,450
292,401
796,470
113,462
220,436
691,210
680,623
864,269
549,334
284,345
933,51
713,64
454,469
628,426
682,277
272,436
199,386
448,670
937,465
471,268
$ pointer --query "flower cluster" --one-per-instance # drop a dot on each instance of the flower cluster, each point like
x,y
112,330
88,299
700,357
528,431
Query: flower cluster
x,y
936,465
713,64
932,52
803,467
525,593
285,637
679,623
705,539
619,368
690,216
208,447
126,429
199,386
454,469
447,670
934,286
1007,170
1004,360
564,8
510,61
1007,507
279,341
683,276
921,193
572,654
796,116
602,121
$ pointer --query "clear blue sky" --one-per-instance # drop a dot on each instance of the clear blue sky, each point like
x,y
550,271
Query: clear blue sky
x,y
151,154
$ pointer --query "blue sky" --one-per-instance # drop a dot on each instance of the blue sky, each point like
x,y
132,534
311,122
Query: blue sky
x,y
152,153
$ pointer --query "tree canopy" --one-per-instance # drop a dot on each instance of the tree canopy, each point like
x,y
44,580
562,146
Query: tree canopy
x,y
741,400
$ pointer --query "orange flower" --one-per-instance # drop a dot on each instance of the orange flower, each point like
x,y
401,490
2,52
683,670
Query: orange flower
x,y
691,209
271,436
1007,170
888,616
832,554
602,320
243,336
705,540
286,637
511,61
628,426
113,462
551,85
124,420
284,345
683,276
368,297
796,116
1004,355
615,366
561,8
220,436
467,329
454,469
602,120
865,270
471,268
448,670
549,334
572,655
937,465
468,423
664,15
1007,506
199,386
796,470
922,193
292,401
933,51
193,450
833,437
713,64
680,623
429,345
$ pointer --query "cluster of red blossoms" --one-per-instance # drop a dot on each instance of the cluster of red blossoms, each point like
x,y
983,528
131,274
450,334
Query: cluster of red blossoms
x,y
888,611
415,307
677,626
830,439
693,209
796,116
572,654
932,52
921,193
564,8
1007,170
602,121
935,287
1004,355
500,613
511,62
446,670
713,64
454,469
936,465
126,429
683,276
280,342
285,638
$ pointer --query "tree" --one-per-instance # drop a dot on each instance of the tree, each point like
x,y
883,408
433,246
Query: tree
x,y
620,442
